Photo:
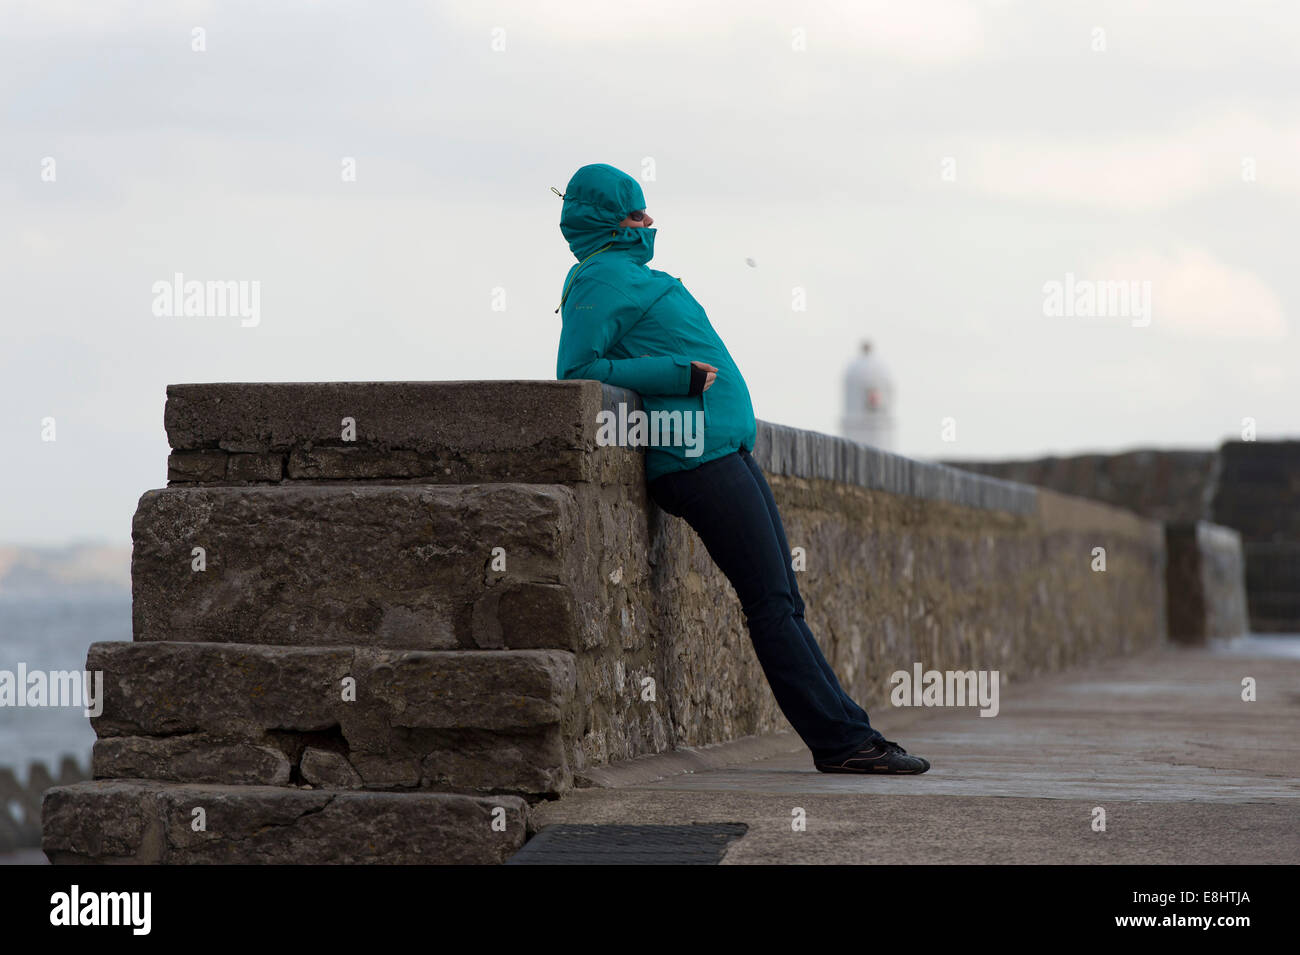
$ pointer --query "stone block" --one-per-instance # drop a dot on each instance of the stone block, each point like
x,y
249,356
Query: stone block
x,y
470,720
164,689
1205,584
382,565
197,467
151,823
190,757
435,432
328,769
526,615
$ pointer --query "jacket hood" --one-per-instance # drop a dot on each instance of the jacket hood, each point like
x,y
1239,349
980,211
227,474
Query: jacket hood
x,y
596,200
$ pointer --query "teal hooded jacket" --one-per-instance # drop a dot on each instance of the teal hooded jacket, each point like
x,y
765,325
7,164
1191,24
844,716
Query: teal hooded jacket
x,y
637,327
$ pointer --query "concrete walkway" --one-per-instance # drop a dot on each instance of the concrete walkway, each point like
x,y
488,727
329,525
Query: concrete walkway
x,y
1185,770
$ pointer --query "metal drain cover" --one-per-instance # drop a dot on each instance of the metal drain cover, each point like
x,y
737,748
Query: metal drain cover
x,y
702,844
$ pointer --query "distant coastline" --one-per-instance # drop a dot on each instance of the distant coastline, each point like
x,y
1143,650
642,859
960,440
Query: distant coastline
x,y
75,571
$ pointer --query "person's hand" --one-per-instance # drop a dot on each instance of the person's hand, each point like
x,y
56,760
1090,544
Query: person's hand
x,y
712,370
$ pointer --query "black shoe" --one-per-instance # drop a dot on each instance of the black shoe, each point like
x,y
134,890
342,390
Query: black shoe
x,y
882,757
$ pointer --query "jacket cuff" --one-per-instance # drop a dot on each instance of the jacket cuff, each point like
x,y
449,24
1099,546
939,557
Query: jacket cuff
x,y
698,377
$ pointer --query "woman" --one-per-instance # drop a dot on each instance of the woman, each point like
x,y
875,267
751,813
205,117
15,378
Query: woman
x,y
639,328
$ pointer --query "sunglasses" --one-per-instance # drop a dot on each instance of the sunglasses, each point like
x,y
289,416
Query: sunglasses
x,y
636,216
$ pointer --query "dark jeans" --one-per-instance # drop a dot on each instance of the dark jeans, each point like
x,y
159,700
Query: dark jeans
x,y
729,504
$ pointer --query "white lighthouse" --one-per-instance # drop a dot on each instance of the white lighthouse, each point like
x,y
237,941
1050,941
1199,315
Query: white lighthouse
x,y
869,401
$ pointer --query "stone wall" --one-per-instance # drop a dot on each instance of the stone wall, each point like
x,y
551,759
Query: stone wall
x,y
1205,582
1161,485
1258,494
906,562
510,611
1250,487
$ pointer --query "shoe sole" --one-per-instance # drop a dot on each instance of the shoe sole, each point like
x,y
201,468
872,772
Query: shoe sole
x,y
874,771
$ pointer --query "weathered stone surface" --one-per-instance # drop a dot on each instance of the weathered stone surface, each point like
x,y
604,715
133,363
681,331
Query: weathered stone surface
x,y
189,758
506,690
172,688
1224,581
526,615
1205,582
442,431
465,760
328,769
473,721
1184,594
145,822
528,762
168,689
1162,485
201,467
791,452
254,467
467,415
396,566
372,464
223,467
1248,486
475,761
891,579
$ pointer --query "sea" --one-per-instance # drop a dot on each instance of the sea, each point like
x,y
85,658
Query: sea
x,y
53,634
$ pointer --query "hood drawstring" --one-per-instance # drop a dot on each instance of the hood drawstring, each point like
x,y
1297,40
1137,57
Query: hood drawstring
x,y
565,294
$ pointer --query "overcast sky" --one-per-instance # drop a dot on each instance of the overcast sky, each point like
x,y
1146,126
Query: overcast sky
x,y
919,170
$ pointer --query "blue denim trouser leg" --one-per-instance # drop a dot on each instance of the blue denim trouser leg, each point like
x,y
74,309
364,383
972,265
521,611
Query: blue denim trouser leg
x,y
730,506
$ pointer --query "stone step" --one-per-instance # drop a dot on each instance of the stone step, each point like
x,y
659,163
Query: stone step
x,y
481,721
454,432
397,566
150,823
